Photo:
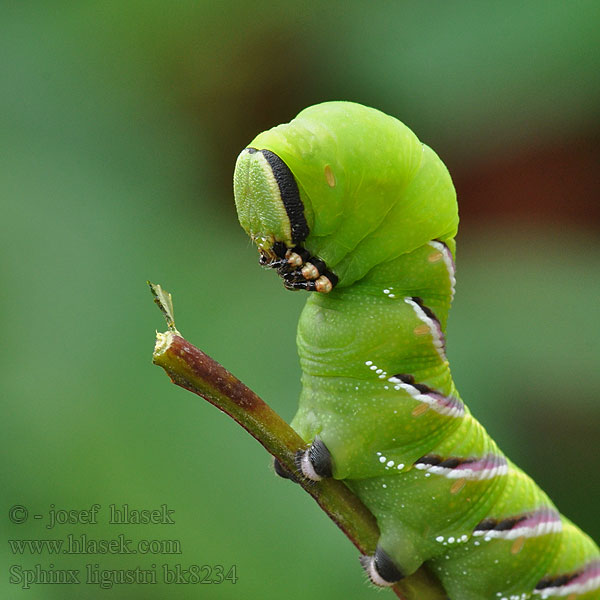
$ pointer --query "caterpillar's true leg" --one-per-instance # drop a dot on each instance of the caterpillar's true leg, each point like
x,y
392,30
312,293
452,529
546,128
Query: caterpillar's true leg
x,y
381,569
315,462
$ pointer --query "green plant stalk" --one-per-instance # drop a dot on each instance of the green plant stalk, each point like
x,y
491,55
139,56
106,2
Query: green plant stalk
x,y
189,368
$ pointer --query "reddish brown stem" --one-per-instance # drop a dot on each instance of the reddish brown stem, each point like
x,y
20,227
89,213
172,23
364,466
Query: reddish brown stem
x,y
190,368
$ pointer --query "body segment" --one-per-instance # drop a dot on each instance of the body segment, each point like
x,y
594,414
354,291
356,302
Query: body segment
x,y
377,395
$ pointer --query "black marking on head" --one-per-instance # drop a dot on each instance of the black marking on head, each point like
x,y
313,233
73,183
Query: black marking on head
x,y
283,472
280,249
320,458
386,567
557,581
424,308
251,150
290,196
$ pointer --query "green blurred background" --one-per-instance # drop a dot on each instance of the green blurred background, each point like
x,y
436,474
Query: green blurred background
x,y
120,123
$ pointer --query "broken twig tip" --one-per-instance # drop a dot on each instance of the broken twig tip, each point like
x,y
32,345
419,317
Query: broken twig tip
x,y
164,301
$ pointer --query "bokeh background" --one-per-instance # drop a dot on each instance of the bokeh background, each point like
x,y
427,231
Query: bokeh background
x,y
120,122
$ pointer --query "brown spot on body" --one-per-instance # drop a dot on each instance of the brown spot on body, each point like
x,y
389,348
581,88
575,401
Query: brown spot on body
x,y
517,545
458,485
421,330
419,410
329,176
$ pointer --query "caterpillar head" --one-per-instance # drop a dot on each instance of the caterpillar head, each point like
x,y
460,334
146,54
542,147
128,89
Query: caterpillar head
x,y
272,212
339,190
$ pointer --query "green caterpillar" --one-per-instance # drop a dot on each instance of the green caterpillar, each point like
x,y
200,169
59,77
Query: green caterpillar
x,y
346,201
